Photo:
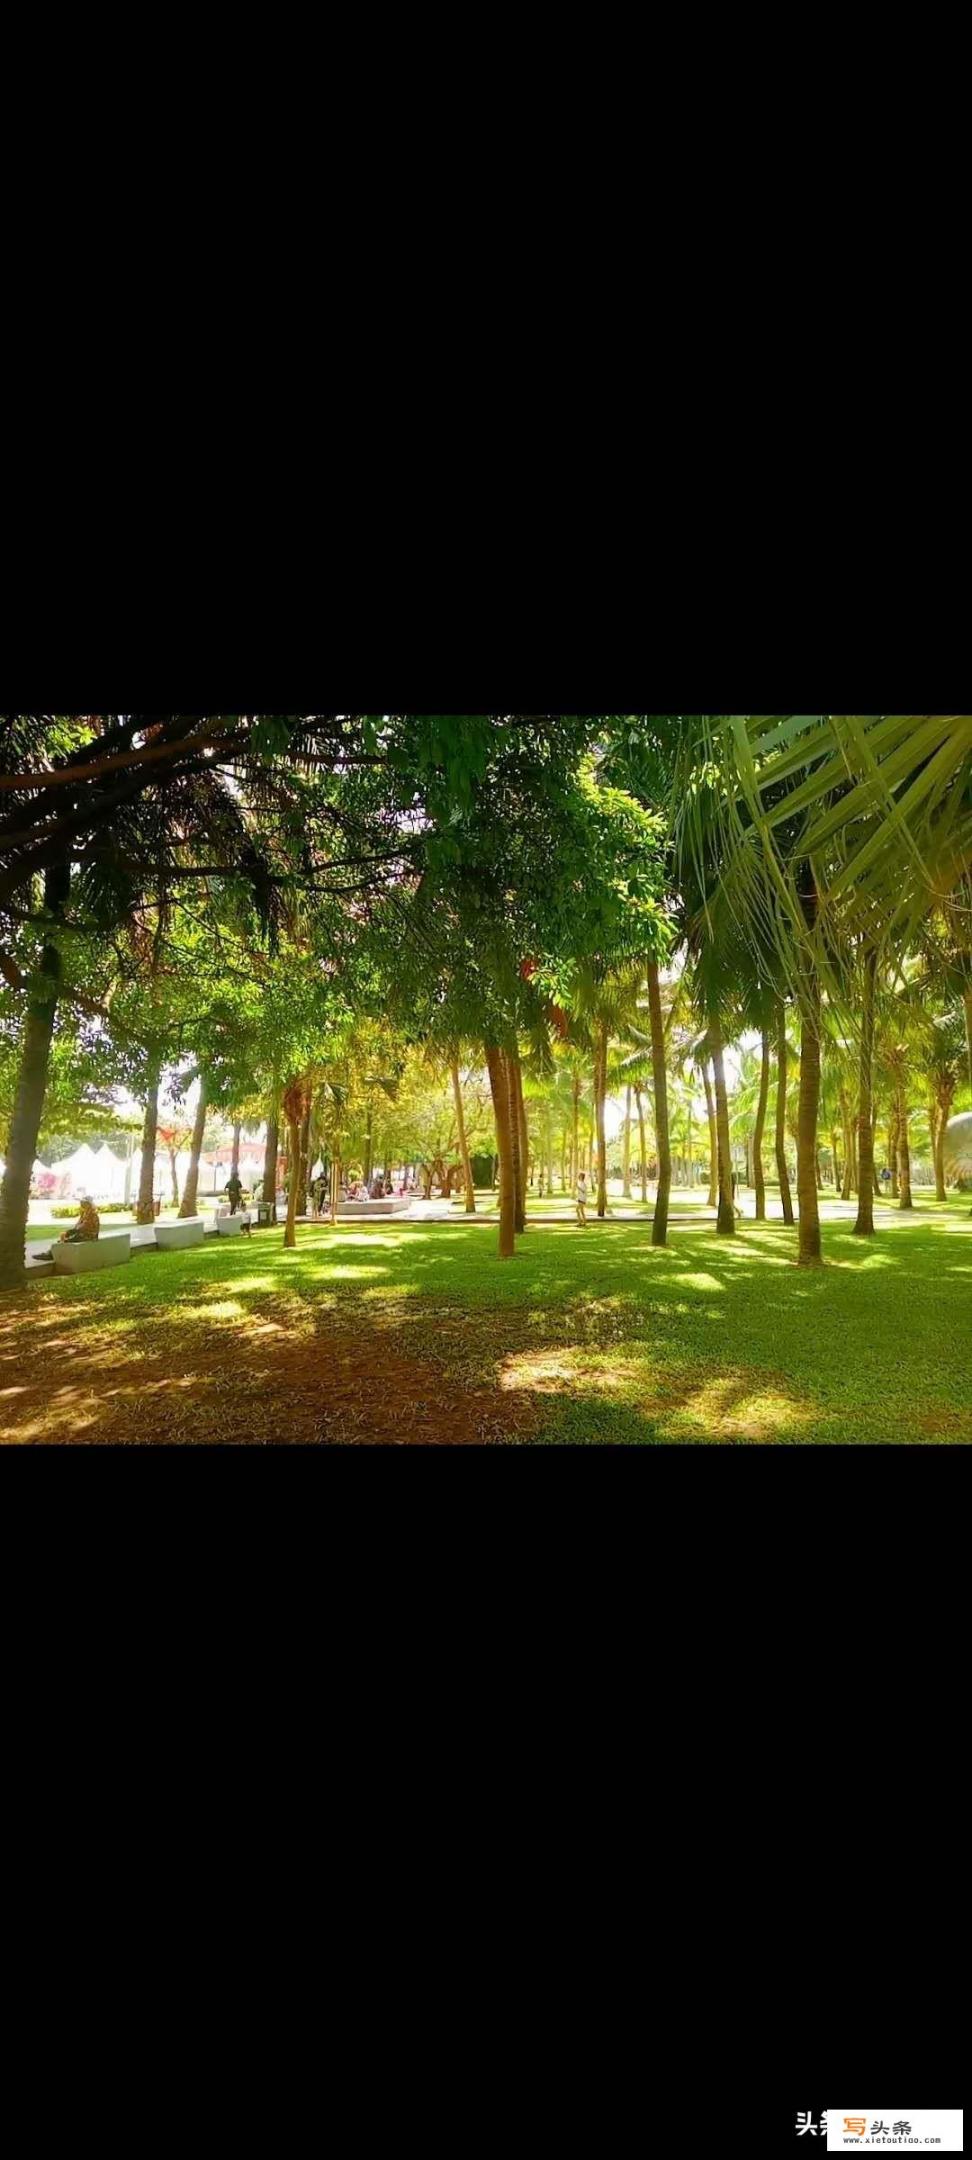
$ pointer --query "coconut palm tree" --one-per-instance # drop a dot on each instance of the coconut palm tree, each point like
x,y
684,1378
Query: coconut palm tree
x,y
821,826
879,804
603,1005
944,1065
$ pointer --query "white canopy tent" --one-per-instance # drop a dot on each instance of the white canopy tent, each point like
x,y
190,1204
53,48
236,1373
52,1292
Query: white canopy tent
x,y
958,1146
77,1174
107,1175
97,1172
251,1172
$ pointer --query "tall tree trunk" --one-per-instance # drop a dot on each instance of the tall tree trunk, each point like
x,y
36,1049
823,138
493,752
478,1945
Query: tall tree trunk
x,y
600,1094
726,1224
369,1157
782,1061
933,1136
845,1190
761,1108
838,1179
904,1149
237,1130
893,1154
499,1081
864,1226
713,1139
296,1109
145,1211
855,1156
967,1002
25,1123
811,1250
941,1189
944,1107
304,1170
191,1188
659,1234
467,1170
273,1151
290,1233
174,1173
627,1148
575,1145
517,1121
639,1099
524,1134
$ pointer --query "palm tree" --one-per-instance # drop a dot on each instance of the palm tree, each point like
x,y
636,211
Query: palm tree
x,y
822,825
881,804
498,1065
659,1232
943,1066
864,1226
713,1130
648,1058
603,1003
467,1172
191,1187
764,1081
782,1083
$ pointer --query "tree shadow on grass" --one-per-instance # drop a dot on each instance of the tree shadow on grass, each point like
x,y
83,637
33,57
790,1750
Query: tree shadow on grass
x,y
708,1340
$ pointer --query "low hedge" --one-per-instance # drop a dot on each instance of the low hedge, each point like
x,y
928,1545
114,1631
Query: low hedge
x,y
110,1207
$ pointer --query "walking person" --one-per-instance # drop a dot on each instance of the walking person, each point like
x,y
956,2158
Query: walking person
x,y
234,1191
582,1200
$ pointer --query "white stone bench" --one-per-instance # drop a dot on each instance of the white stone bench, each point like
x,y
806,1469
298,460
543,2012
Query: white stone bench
x,y
230,1225
93,1253
172,1236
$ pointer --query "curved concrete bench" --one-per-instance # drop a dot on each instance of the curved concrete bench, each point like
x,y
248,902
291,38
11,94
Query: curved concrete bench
x,y
94,1253
172,1236
349,1210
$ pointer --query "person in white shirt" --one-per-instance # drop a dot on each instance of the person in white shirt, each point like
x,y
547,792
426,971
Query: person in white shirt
x,y
582,1197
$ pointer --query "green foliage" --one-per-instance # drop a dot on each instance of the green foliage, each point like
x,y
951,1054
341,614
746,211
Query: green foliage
x,y
356,899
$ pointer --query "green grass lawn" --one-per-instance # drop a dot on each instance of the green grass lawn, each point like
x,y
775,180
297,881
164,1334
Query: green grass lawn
x,y
402,1332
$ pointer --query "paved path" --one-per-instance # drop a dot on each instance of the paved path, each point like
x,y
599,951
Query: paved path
x,y
887,1216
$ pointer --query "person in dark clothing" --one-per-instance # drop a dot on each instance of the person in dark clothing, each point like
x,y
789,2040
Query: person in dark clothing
x,y
234,1191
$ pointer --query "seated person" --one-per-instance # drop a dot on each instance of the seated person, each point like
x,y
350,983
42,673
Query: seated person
x,y
88,1226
